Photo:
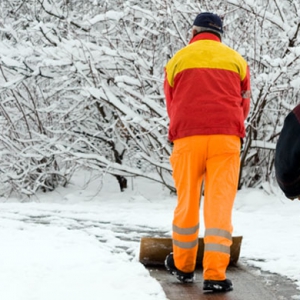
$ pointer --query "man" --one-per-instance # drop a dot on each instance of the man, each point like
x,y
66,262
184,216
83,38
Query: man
x,y
207,90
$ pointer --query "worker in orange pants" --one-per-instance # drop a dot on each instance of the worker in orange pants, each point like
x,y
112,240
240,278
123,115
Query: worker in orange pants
x,y
207,91
218,157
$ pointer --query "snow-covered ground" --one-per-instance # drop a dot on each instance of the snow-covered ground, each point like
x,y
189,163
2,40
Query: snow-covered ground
x,y
82,242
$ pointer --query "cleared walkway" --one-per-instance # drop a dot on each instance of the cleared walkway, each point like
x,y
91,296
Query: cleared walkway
x,y
248,285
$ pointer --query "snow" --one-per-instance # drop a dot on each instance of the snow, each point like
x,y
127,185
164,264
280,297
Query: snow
x,y
82,242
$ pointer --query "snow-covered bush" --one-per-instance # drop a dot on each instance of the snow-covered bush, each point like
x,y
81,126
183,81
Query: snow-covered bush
x,y
81,85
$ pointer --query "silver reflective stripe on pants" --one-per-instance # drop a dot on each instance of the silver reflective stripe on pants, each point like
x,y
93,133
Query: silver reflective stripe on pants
x,y
217,248
186,245
185,231
218,232
214,246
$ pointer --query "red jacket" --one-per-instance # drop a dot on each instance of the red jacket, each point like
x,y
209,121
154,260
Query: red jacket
x,y
207,89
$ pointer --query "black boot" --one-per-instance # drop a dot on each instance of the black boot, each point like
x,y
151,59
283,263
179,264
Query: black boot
x,y
217,286
181,276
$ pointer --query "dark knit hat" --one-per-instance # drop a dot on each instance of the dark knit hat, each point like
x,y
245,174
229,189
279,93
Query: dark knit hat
x,y
287,155
210,21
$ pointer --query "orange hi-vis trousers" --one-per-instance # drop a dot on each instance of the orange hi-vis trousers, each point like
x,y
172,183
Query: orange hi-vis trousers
x,y
217,157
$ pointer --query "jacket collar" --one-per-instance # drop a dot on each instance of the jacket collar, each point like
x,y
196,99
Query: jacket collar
x,y
204,36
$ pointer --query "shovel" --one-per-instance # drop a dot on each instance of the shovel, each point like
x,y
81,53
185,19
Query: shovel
x,y
153,250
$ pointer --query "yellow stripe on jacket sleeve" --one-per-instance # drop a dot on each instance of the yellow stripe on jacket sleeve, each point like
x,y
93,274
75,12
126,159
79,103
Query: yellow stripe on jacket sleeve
x,y
206,54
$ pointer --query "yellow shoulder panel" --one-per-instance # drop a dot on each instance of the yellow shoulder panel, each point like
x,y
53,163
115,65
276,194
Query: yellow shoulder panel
x,y
206,54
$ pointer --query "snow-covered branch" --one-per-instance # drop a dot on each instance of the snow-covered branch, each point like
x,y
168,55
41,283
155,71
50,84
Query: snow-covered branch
x,y
81,85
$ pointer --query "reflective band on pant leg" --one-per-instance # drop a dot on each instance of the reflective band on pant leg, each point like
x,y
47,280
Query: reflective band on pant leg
x,y
217,248
185,231
218,240
185,245
218,232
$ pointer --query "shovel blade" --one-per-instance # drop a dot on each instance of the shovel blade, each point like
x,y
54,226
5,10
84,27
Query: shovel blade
x,y
153,250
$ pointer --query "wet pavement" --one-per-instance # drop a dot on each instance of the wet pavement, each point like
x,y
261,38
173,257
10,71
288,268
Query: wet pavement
x,y
249,284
